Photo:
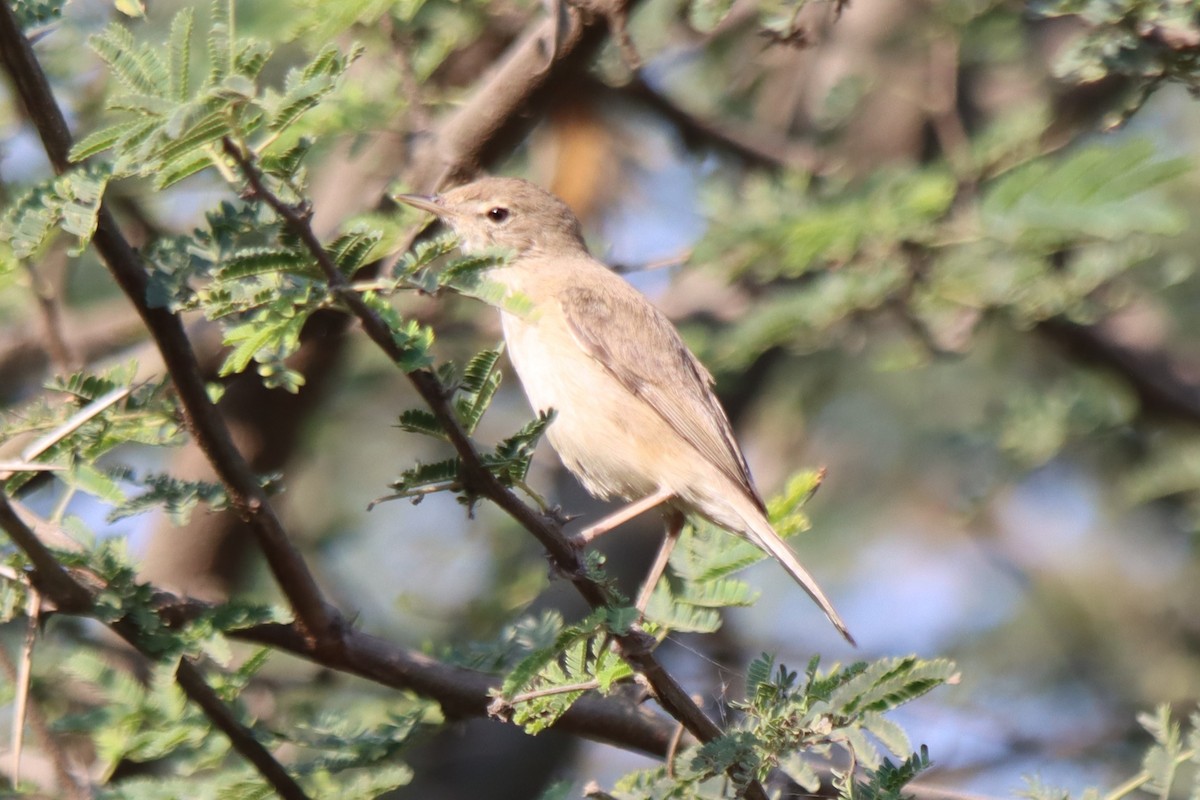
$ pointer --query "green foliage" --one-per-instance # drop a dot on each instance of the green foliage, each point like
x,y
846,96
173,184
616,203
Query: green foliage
x,y
544,684
1093,193
335,754
68,202
1151,42
175,496
141,722
1172,755
86,416
175,130
474,391
1033,241
791,720
36,13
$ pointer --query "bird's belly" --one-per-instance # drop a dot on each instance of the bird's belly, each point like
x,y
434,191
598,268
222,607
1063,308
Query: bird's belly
x,y
603,434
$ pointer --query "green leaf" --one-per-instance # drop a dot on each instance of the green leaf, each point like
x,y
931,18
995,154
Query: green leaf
x,y
137,68
252,261
480,381
103,139
1162,760
419,420
68,202
1097,192
175,496
179,54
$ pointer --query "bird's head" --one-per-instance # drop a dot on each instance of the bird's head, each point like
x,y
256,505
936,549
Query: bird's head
x,y
505,213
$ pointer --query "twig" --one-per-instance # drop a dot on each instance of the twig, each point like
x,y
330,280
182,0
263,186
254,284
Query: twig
x,y
483,123
203,421
64,770
675,260
1162,385
52,579
75,422
673,750
61,354
417,493
760,148
33,611
525,697
941,106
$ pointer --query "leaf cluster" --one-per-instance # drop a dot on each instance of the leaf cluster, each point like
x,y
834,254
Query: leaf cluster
x,y
1030,241
474,391
542,686
1150,43
794,722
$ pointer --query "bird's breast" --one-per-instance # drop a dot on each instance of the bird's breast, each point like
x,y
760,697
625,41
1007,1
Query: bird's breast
x,y
600,429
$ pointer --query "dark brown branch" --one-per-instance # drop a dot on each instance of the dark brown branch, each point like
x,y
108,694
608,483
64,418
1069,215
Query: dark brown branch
x,y
1160,384
52,579
461,692
465,693
758,148
203,421
242,738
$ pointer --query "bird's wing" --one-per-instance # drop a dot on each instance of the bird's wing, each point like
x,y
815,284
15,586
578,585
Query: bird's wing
x,y
657,367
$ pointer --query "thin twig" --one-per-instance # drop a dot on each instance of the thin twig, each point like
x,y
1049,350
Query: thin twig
x,y
759,147
33,612
417,493
75,422
65,771
583,686
61,355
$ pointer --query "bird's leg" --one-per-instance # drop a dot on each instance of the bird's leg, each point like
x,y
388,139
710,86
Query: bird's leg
x,y
620,516
674,528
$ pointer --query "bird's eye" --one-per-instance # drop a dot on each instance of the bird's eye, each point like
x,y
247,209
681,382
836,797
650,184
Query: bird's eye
x,y
497,214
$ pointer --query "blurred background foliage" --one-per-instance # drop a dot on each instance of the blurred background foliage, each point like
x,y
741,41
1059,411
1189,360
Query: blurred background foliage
x,y
945,250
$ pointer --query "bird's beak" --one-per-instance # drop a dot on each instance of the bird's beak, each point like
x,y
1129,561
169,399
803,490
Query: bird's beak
x,y
423,202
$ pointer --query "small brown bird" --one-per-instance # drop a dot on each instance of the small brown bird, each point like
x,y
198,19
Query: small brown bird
x,y
636,416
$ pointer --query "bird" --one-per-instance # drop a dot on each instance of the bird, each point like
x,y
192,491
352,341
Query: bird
x,y
635,414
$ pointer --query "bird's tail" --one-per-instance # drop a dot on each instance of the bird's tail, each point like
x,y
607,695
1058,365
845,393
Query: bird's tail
x,y
760,532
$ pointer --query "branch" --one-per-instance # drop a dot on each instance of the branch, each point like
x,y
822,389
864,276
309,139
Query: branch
x,y
484,125
1159,382
758,147
203,421
635,646
461,692
52,579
